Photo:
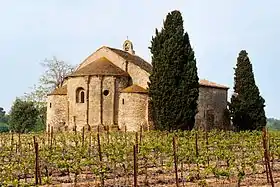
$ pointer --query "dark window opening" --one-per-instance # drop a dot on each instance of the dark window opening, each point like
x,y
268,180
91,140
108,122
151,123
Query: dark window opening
x,y
50,105
123,101
82,97
106,92
126,66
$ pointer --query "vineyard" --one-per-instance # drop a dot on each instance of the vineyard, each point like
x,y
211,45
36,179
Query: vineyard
x,y
146,158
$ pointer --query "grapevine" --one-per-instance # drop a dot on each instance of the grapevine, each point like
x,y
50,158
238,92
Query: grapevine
x,y
76,157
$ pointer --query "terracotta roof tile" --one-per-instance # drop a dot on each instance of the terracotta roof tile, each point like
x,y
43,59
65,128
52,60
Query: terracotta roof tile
x,y
59,91
101,66
134,59
207,83
134,89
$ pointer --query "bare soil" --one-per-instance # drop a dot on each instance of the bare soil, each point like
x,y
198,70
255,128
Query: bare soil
x,y
156,177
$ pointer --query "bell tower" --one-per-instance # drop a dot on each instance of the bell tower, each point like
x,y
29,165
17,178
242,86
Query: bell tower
x,y
128,47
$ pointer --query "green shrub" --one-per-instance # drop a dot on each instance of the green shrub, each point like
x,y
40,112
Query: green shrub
x,y
4,127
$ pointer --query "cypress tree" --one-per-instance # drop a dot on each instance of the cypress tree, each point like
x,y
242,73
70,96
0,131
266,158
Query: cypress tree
x,y
173,87
247,106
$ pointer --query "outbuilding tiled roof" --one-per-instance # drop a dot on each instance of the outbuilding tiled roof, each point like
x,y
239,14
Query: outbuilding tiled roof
x,y
59,91
134,89
101,66
133,59
207,83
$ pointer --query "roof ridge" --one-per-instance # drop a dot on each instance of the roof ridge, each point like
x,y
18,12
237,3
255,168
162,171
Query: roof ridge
x,y
135,59
207,83
100,66
134,88
59,91
79,66
126,53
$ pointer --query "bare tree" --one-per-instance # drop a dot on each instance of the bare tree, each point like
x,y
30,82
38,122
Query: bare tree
x,y
55,73
53,77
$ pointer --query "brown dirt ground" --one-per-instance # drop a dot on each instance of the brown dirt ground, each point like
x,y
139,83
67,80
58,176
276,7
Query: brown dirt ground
x,y
168,180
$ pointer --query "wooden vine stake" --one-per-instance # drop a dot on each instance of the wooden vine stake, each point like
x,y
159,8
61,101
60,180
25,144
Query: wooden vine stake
x,y
266,157
48,133
108,134
37,173
141,134
207,145
89,145
175,159
125,135
83,137
135,151
51,136
99,147
197,153
100,156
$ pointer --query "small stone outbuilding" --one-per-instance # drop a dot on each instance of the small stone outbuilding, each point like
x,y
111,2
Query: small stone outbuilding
x,y
109,89
212,106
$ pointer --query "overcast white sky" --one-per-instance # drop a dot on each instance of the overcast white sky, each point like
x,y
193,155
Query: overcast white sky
x,y
34,30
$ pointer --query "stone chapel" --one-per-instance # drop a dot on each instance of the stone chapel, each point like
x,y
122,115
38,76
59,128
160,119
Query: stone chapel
x,y
109,89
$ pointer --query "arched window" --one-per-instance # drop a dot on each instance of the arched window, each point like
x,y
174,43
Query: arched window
x,y
80,95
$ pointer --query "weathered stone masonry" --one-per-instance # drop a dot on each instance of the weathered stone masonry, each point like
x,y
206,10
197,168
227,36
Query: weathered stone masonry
x,y
212,105
109,88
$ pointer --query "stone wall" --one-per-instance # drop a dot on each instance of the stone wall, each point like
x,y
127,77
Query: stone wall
x,y
212,103
121,83
57,112
108,100
94,101
104,108
138,75
77,111
130,109
99,107
133,111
